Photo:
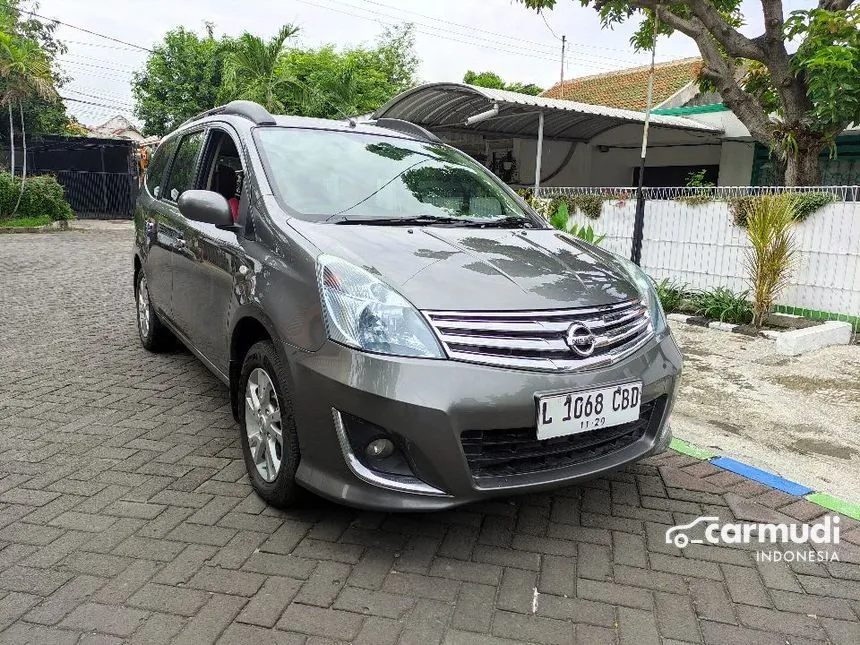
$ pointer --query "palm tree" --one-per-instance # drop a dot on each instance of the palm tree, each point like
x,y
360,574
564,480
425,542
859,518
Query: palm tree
x,y
252,69
25,72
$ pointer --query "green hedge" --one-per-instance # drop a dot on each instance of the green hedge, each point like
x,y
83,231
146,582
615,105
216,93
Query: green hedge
x,y
43,196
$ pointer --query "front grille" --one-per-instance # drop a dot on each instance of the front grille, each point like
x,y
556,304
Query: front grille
x,y
503,453
536,340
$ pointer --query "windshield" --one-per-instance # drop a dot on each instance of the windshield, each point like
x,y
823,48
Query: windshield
x,y
324,174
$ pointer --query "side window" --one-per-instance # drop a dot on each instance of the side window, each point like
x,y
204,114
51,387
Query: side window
x,y
223,171
155,171
182,172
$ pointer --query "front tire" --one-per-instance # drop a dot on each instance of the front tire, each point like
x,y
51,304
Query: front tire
x,y
154,336
270,445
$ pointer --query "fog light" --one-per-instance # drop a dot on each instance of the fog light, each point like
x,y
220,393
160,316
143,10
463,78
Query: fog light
x,y
379,449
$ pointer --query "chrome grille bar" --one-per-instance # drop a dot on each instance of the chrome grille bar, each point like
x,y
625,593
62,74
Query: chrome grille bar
x,y
536,340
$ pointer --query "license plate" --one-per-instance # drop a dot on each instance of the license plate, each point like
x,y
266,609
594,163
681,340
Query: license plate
x,y
574,412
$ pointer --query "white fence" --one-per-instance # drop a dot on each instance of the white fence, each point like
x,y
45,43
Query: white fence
x,y
698,244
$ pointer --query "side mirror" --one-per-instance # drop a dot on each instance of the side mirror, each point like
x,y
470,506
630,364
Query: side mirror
x,y
206,206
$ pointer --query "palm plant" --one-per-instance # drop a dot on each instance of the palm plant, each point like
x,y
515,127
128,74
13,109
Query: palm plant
x,y
252,69
770,258
25,72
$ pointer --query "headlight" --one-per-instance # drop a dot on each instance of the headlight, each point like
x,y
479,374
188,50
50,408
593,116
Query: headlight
x,y
363,312
646,290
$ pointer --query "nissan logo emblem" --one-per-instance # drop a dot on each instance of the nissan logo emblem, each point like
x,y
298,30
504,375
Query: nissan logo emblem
x,y
580,339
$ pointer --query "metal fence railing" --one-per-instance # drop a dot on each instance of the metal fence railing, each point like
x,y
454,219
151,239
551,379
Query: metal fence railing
x,y
696,241
841,193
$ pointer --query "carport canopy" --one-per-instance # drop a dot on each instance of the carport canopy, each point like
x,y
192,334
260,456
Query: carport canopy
x,y
461,107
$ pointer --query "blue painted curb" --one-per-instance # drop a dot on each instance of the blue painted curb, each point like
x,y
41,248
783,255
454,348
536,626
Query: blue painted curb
x,y
762,476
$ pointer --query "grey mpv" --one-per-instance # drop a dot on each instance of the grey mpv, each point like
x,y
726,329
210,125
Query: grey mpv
x,y
397,328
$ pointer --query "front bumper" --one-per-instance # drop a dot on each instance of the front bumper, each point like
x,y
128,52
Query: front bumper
x,y
429,403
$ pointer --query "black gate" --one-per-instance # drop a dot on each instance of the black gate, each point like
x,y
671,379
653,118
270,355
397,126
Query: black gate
x,y
99,176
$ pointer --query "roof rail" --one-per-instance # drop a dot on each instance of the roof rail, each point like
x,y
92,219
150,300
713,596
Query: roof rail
x,y
406,127
246,109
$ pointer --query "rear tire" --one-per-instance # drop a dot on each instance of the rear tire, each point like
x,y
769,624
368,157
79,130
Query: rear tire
x,y
154,336
270,444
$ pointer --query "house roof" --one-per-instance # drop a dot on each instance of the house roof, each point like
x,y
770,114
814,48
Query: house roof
x,y
116,126
447,106
628,88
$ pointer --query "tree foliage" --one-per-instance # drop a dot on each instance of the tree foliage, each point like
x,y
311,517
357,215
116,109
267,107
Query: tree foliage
x,y
494,81
29,77
181,78
252,69
794,103
188,74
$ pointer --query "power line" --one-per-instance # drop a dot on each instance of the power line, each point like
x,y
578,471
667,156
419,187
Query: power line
x,y
491,43
472,28
118,66
101,105
116,72
88,31
79,74
515,51
99,93
119,102
548,51
469,28
101,45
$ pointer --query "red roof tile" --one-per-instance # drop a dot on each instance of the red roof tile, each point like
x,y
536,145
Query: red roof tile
x,y
628,88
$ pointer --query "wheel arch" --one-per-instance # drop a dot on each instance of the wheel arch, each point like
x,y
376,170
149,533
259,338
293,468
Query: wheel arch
x,y
250,327
138,266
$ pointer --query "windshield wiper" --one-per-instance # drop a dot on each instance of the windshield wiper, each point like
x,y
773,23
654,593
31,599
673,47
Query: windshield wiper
x,y
509,221
419,220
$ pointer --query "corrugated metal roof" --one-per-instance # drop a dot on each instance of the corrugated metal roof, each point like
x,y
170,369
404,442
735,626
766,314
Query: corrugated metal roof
x,y
448,105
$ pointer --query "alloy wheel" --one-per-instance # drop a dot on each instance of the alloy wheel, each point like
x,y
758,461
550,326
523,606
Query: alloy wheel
x,y
143,308
263,424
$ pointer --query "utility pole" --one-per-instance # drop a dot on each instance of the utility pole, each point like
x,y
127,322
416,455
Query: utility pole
x,y
561,82
639,219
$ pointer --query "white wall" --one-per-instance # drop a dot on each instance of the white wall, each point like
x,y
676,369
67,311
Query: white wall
x,y
736,163
701,246
591,167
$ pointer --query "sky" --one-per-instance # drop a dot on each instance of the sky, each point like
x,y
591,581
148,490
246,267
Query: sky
x,y
452,37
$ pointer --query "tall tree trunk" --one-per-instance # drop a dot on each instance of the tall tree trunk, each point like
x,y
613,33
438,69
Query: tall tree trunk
x,y
802,165
23,160
11,143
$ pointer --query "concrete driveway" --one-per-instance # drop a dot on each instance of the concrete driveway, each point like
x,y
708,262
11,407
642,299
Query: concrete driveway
x,y
126,516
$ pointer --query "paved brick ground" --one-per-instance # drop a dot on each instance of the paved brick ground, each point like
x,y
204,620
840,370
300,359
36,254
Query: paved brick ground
x,y
125,516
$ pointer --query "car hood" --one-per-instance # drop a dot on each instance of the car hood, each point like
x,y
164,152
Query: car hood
x,y
471,269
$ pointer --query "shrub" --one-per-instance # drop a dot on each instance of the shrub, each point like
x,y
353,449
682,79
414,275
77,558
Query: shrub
x,y
587,234
671,294
589,204
724,305
770,258
805,204
560,220
42,196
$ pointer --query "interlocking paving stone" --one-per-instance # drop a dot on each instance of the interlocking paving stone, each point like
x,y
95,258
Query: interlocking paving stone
x,y
126,516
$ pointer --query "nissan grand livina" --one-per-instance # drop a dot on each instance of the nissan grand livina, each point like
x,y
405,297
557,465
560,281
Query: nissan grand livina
x,y
397,328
